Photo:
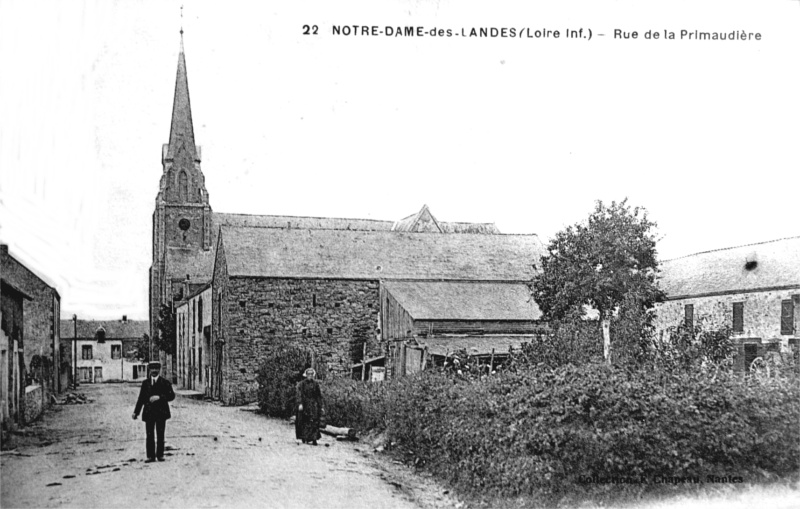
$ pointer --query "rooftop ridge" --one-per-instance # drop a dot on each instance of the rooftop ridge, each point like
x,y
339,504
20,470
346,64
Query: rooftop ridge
x,y
390,232
305,217
730,248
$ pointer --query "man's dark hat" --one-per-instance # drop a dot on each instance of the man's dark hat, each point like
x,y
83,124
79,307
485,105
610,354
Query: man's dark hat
x,y
154,365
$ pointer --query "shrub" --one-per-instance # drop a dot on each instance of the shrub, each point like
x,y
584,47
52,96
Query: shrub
x,y
355,404
277,378
542,432
569,341
545,431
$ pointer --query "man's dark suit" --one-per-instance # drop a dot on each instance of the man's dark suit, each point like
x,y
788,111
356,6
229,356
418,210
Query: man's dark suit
x,y
156,413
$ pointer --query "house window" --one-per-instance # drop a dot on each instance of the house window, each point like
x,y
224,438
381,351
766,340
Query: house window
x,y
86,374
688,316
116,351
738,317
86,352
199,315
787,317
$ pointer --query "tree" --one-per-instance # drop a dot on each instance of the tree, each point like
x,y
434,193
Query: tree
x,y
164,338
600,263
140,350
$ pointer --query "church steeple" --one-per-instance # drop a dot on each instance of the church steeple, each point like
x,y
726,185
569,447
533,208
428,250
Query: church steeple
x,y
181,133
182,180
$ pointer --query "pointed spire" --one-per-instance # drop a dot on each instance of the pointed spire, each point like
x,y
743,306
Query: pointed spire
x,y
181,133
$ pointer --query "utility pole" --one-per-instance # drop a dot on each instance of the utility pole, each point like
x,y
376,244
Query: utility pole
x,y
74,351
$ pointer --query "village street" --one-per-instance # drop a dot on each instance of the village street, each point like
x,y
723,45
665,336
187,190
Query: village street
x,y
91,455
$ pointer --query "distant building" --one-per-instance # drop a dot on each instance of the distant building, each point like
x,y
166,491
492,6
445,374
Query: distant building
x,y
753,289
105,350
29,342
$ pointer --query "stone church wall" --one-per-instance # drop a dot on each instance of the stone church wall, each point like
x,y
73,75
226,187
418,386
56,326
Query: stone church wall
x,y
331,318
193,237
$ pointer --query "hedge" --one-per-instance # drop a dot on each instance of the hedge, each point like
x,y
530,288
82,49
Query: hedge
x,y
569,432
594,430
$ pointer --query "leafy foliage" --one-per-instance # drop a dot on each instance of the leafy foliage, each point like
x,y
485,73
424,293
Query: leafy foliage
x,y
277,377
603,263
141,350
355,404
571,340
165,338
689,348
540,431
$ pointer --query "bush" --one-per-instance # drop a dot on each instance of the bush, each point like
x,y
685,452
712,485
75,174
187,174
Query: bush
x,y
569,341
277,378
544,432
355,404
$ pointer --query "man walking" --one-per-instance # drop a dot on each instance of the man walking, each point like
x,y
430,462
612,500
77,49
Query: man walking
x,y
154,396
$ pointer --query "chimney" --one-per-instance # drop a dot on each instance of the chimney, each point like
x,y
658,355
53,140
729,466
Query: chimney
x,y
4,249
124,318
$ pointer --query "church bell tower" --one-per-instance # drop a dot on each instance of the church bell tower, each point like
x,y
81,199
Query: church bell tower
x,y
182,220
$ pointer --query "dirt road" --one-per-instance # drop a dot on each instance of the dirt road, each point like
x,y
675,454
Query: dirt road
x,y
92,456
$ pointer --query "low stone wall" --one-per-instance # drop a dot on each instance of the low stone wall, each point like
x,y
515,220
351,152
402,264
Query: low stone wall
x,y
33,402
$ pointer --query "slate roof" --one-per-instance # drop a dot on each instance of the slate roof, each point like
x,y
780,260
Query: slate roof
x,y
777,264
474,345
464,300
328,223
115,329
343,254
482,228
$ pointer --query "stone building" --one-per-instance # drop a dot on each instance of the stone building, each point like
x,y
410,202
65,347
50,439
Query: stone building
x,y
29,344
753,289
193,330
321,289
96,351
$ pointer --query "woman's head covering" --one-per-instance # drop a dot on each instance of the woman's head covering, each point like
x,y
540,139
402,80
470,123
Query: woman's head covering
x,y
309,373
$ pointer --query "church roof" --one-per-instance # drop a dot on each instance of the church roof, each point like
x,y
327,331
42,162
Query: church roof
x,y
348,254
329,223
767,265
115,329
181,133
425,300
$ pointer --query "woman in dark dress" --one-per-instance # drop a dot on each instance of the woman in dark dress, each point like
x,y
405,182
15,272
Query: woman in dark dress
x,y
309,409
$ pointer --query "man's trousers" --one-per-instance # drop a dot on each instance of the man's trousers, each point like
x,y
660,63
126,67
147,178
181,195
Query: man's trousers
x,y
155,449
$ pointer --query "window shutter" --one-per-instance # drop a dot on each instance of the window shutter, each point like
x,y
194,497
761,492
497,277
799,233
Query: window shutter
x,y
688,316
738,317
787,317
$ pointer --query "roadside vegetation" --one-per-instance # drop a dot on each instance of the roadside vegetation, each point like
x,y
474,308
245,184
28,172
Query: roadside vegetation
x,y
573,418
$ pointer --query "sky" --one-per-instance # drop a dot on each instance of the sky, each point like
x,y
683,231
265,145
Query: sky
x,y
523,132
